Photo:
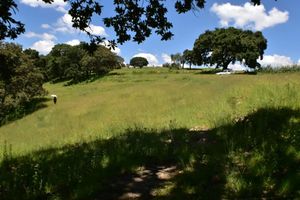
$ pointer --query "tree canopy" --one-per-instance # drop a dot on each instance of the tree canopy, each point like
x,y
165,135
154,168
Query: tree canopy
x,y
134,19
224,46
20,79
188,57
75,63
139,62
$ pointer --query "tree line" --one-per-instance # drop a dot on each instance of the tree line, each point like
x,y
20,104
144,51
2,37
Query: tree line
x,y
23,72
77,63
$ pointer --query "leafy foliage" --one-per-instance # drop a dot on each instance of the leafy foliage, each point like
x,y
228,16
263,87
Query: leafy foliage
x,y
9,27
20,79
172,65
178,59
139,62
75,63
188,57
38,60
64,62
137,17
224,46
254,158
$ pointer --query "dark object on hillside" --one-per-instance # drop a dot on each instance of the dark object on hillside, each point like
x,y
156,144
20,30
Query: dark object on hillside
x,y
139,62
54,98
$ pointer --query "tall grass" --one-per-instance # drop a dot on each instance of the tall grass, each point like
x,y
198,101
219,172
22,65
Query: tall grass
x,y
256,157
284,69
150,98
235,135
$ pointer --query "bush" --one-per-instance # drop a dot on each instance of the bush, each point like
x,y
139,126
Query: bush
x,y
139,62
172,65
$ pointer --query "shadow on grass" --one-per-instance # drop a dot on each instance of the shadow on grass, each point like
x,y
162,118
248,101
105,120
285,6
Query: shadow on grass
x,y
257,156
26,109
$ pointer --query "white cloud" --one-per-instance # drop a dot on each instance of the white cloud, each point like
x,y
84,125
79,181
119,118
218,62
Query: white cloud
x,y
73,42
43,46
64,25
238,66
150,57
96,30
58,5
249,16
45,26
105,43
44,36
166,58
276,61
298,62
116,50
268,60
61,9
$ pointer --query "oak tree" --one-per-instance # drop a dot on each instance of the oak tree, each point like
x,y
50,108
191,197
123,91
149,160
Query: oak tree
x,y
20,79
139,62
188,57
224,46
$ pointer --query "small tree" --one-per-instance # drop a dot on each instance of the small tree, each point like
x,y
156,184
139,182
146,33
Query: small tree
x,y
139,62
177,58
188,57
224,46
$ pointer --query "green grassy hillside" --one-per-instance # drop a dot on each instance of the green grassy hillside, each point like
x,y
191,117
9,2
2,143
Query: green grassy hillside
x,y
148,98
140,117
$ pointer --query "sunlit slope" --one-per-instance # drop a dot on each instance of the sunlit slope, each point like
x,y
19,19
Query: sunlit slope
x,y
148,98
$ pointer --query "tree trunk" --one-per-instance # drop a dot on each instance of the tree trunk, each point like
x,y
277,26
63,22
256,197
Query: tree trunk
x,y
226,63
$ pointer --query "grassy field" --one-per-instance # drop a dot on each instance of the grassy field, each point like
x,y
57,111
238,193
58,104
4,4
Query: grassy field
x,y
233,136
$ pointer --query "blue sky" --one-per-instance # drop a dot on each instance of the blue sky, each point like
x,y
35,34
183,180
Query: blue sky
x,y
47,25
